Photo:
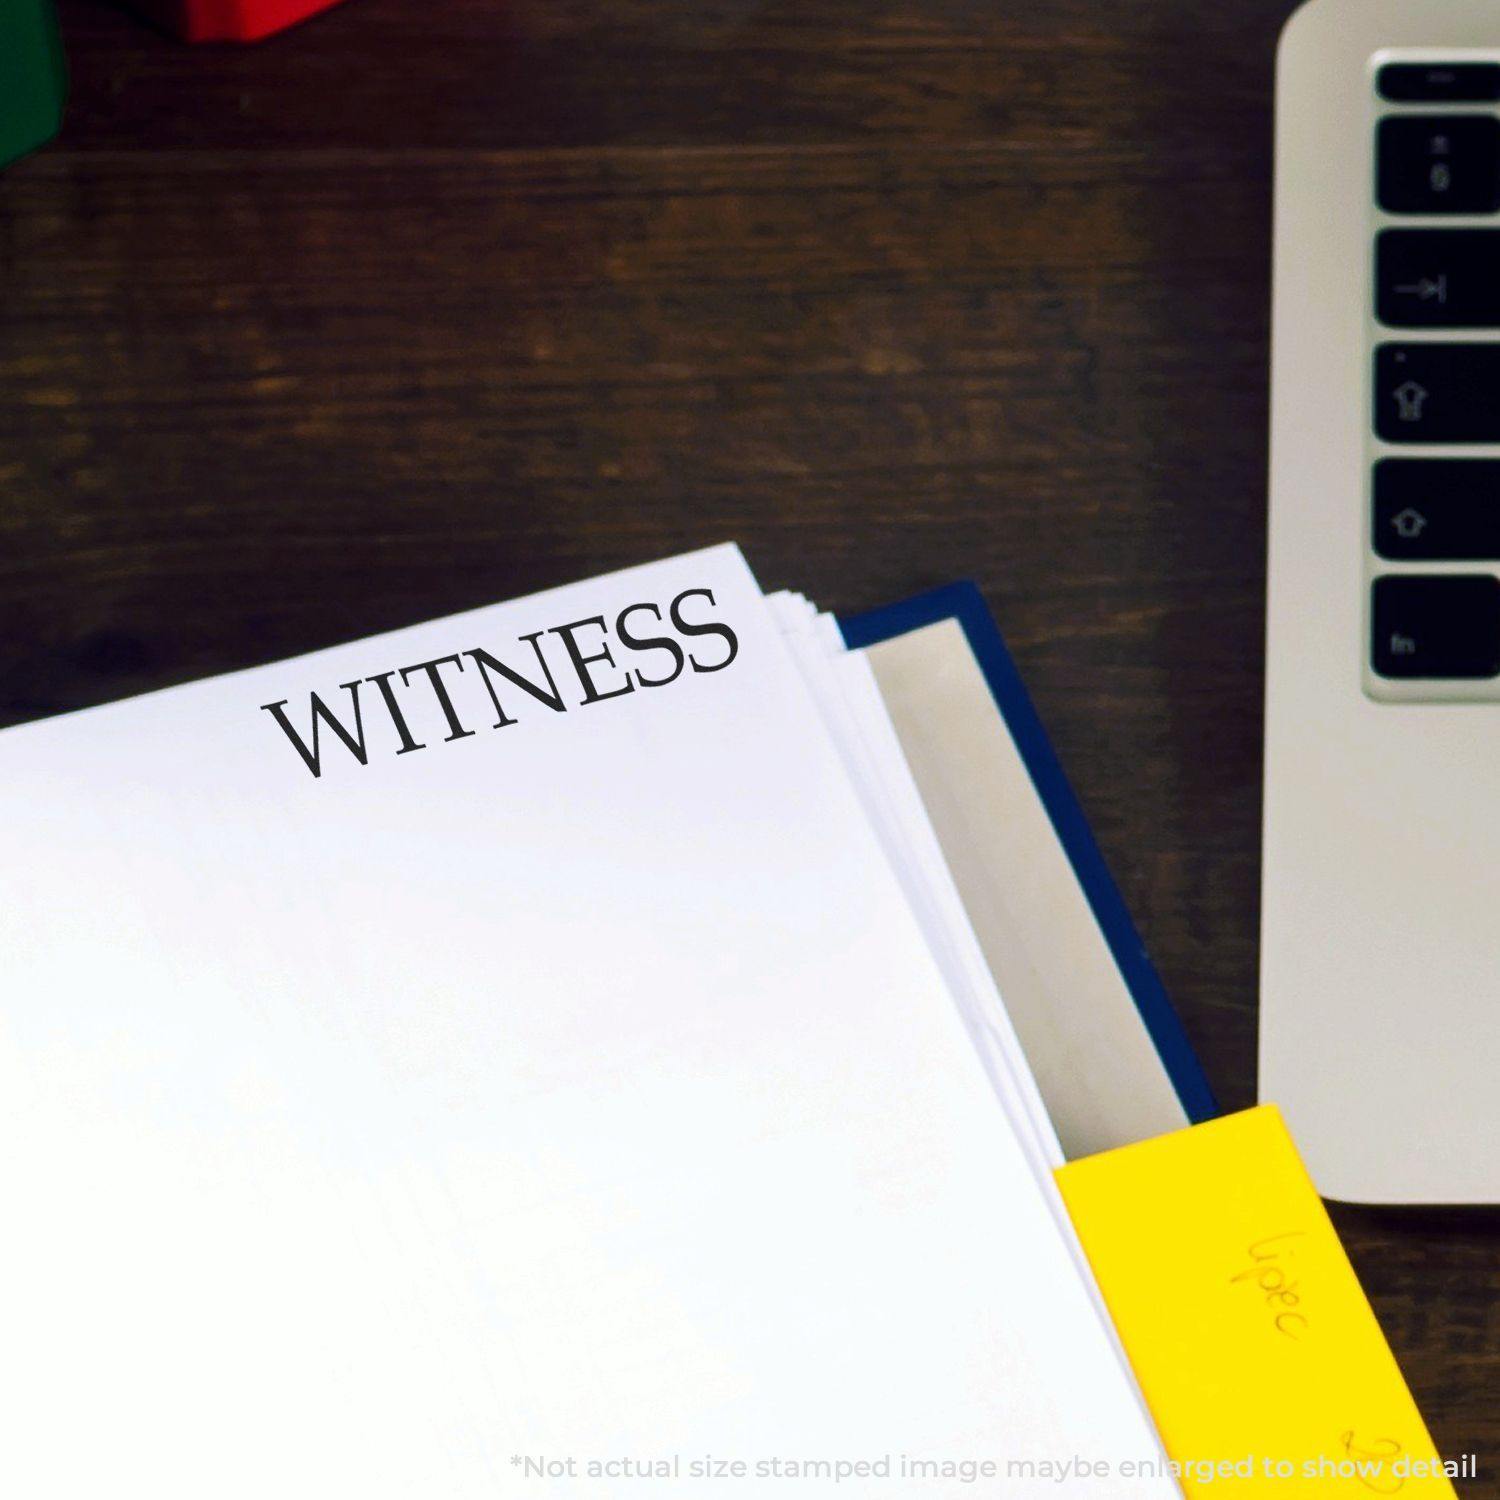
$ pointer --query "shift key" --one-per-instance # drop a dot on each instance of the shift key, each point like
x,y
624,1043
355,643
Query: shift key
x,y
1437,393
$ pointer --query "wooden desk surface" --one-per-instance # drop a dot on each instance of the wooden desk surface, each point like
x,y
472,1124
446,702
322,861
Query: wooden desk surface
x,y
432,302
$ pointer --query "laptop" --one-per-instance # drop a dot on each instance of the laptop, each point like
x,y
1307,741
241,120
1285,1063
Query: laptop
x,y
1380,980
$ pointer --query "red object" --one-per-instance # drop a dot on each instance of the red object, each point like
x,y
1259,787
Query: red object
x,y
229,20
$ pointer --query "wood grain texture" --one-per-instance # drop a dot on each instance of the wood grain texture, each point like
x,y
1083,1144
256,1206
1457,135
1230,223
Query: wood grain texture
x,y
427,304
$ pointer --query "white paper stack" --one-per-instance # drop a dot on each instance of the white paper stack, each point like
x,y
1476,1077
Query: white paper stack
x,y
539,1052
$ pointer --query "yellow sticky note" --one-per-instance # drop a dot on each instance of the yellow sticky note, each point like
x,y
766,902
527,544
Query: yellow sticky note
x,y
1257,1350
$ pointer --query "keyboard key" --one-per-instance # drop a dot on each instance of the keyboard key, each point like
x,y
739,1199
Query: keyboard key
x,y
1438,278
1439,164
1439,83
1436,627
1437,393
1437,509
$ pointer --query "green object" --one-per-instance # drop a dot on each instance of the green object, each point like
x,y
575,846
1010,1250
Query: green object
x,y
33,77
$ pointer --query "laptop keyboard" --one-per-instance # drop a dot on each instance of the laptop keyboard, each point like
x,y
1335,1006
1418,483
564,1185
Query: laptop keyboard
x,y
1436,385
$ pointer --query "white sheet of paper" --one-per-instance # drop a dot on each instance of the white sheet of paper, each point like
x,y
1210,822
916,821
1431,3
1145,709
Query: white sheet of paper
x,y
583,1089
844,685
844,688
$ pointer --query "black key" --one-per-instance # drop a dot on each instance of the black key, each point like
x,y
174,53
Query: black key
x,y
1439,83
1436,627
1437,509
1439,164
1437,393
1438,278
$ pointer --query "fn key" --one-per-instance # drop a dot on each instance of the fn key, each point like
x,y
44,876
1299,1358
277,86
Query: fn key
x,y
1445,626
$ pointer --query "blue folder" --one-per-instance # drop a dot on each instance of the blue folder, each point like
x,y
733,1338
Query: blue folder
x,y
963,603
